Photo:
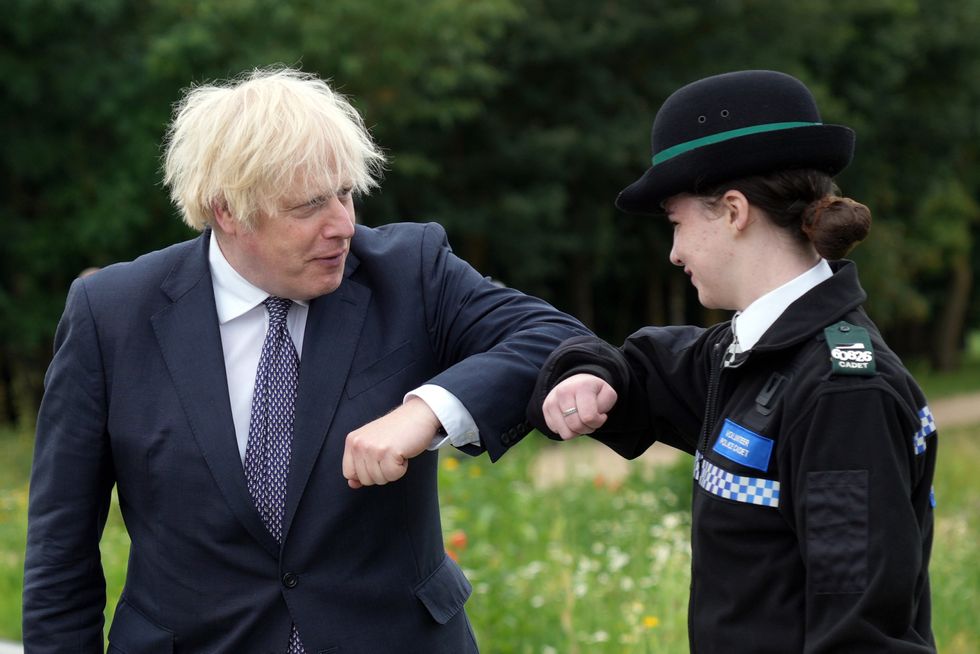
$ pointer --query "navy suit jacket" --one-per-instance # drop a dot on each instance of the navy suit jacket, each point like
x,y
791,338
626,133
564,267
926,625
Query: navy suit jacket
x,y
136,397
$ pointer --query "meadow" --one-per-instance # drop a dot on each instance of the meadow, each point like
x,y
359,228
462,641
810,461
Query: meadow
x,y
591,565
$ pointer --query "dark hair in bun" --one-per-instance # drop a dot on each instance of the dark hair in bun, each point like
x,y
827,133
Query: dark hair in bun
x,y
835,225
808,204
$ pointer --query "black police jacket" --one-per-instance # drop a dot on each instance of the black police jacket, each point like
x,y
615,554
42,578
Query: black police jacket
x,y
814,458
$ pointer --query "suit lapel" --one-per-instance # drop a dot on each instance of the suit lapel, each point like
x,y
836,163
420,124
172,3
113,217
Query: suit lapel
x,y
333,328
188,334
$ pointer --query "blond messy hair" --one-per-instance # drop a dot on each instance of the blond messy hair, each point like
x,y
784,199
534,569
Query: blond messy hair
x,y
248,142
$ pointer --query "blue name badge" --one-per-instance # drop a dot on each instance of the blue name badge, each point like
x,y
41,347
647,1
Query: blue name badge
x,y
738,444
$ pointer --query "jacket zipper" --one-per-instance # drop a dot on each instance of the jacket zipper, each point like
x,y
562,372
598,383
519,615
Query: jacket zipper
x,y
710,410
711,407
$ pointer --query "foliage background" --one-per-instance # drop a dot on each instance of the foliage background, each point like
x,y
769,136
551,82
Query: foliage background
x,y
512,122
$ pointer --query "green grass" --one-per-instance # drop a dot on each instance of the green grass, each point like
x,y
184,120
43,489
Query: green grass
x,y
15,462
584,567
16,450
955,563
966,379
589,566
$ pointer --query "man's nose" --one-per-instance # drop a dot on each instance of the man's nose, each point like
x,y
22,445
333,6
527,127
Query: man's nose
x,y
339,222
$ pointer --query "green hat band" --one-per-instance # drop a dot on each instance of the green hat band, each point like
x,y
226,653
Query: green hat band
x,y
681,148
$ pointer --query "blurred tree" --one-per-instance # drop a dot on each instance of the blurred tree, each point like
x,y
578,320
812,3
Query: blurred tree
x,y
529,181
87,88
79,159
908,77
584,80
512,122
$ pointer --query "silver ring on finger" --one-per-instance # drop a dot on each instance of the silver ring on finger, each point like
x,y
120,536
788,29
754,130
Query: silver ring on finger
x,y
568,412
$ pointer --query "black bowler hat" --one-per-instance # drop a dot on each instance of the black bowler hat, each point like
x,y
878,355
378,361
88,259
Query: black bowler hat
x,y
734,125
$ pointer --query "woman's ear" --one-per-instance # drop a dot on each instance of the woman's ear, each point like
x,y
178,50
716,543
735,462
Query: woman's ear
x,y
735,207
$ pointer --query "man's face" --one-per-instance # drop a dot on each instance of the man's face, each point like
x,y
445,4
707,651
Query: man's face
x,y
703,246
297,251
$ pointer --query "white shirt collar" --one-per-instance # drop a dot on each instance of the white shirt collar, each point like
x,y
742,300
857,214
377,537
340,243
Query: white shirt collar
x,y
752,323
233,294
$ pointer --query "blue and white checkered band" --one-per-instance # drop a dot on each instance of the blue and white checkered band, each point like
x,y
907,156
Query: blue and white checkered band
x,y
927,429
750,490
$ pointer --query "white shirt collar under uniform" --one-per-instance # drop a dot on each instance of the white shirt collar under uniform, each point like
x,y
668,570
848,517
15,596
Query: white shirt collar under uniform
x,y
752,323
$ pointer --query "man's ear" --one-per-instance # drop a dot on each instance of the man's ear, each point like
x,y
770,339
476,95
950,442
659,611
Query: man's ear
x,y
735,208
224,221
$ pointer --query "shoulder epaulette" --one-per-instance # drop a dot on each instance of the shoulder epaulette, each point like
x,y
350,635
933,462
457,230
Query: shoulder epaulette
x,y
850,350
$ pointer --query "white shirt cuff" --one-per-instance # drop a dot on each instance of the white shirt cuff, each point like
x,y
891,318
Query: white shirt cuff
x,y
456,421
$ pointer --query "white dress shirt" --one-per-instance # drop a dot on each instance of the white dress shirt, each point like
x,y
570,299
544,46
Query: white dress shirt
x,y
243,322
750,324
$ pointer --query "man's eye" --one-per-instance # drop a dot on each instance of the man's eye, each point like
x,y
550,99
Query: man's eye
x,y
345,192
317,201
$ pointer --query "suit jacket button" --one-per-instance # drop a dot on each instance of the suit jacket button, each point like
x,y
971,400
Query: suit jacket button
x,y
289,580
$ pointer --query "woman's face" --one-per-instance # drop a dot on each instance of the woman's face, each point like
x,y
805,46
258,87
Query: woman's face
x,y
704,246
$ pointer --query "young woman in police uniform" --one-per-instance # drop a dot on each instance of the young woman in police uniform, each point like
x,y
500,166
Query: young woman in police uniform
x,y
814,448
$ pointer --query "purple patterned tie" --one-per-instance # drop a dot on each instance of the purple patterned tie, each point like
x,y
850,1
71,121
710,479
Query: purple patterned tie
x,y
270,430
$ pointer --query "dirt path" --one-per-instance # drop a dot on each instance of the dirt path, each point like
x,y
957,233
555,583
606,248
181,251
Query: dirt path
x,y
586,459
957,410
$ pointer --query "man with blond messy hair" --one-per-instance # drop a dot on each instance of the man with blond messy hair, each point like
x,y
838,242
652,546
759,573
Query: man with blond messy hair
x,y
240,390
